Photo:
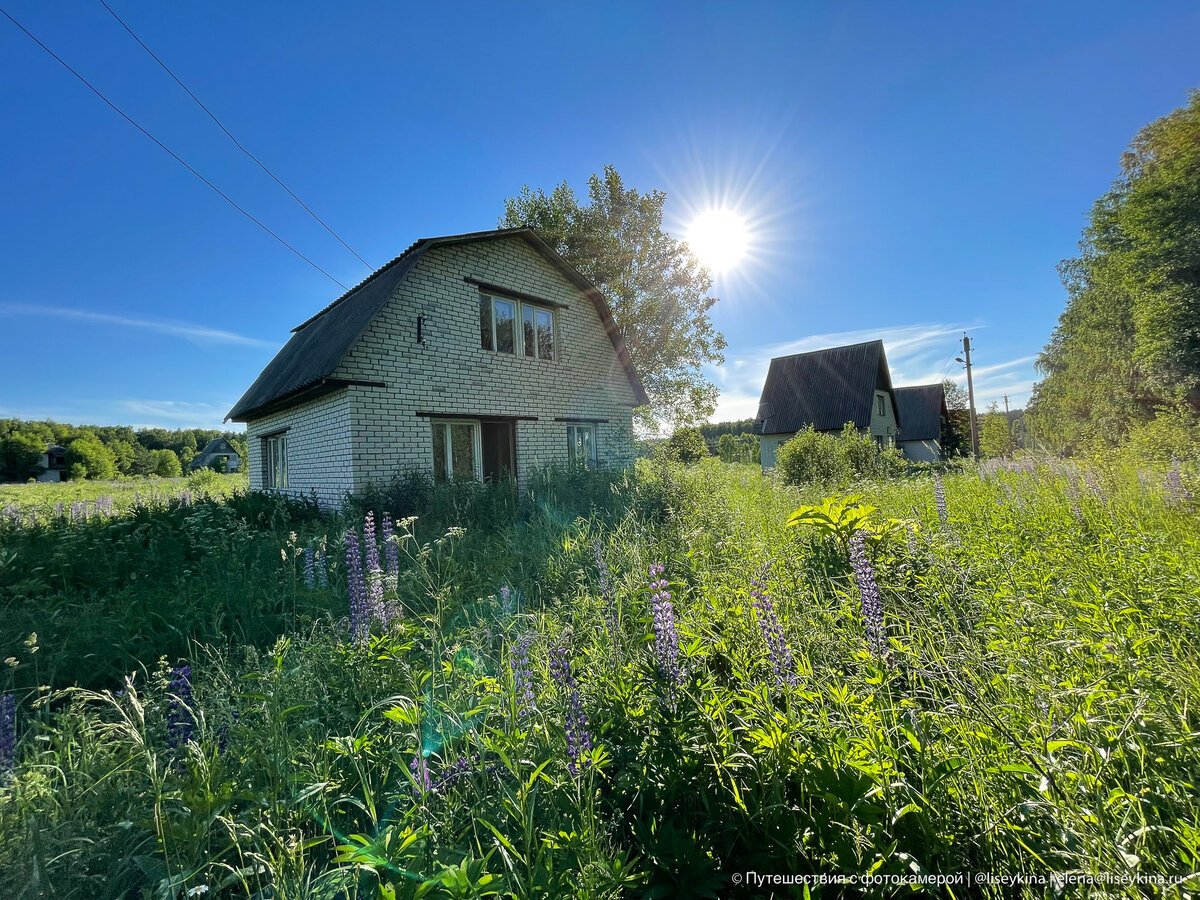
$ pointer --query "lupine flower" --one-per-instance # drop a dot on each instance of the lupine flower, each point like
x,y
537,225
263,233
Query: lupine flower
x,y
522,672
8,732
607,595
180,721
782,660
939,493
310,578
360,621
579,739
868,590
322,571
458,770
373,572
420,769
1177,491
1094,486
666,639
391,549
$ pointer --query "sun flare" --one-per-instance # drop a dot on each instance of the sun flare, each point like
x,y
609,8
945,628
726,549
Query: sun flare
x,y
719,237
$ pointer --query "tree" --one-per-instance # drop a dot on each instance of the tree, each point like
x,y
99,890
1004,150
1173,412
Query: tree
x,y
687,445
995,433
124,454
658,291
956,433
21,452
1128,343
87,455
166,464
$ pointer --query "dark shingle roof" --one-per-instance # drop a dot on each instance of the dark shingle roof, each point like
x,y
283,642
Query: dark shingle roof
x,y
921,407
318,344
824,388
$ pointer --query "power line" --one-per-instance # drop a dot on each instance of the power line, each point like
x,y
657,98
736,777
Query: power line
x,y
171,152
229,134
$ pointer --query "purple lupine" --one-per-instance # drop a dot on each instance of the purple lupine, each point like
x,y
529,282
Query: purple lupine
x,y
8,732
782,660
1177,491
360,621
1094,486
322,570
310,577
607,595
374,573
522,672
868,590
60,509
457,771
391,550
180,721
939,493
579,739
666,638
420,769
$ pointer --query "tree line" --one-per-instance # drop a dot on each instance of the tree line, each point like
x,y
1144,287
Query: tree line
x,y
104,451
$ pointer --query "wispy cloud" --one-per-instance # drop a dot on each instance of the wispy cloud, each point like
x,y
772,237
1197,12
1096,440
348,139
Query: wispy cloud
x,y
917,354
187,330
197,414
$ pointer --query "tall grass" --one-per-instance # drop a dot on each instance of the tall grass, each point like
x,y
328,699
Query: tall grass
x,y
1033,711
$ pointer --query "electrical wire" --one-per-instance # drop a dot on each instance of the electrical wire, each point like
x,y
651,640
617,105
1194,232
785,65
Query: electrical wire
x,y
169,151
229,135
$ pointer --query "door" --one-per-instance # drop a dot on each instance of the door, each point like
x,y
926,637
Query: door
x,y
499,450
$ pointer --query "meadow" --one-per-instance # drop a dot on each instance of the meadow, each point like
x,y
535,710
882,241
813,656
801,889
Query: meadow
x,y
637,685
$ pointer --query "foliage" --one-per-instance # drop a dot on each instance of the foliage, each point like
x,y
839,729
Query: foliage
x,y
712,431
88,456
1174,433
825,458
658,291
1033,712
1128,342
166,464
19,454
956,431
995,434
686,445
744,448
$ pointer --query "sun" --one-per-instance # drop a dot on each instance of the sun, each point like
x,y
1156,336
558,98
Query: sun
x,y
719,237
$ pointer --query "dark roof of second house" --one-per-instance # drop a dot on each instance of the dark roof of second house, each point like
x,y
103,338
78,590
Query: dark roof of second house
x,y
304,366
824,389
217,445
921,406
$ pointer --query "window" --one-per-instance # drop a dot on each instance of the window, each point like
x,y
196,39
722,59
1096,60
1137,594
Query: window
x,y
498,329
581,445
275,461
879,403
456,451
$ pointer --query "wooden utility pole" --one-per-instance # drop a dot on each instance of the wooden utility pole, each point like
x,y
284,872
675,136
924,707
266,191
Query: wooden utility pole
x,y
965,359
1006,406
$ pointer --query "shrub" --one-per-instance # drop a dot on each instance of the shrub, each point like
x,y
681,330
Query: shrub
x,y
821,457
687,445
1172,434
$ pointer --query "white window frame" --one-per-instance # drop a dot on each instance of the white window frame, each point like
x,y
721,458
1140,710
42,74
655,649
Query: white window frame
x,y
519,327
477,440
275,462
572,442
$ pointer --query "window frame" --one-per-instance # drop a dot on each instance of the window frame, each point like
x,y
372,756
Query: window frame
x,y
476,443
274,450
520,347
881,403
573,430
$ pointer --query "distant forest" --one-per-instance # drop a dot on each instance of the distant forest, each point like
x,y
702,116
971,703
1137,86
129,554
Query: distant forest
x,y
104,451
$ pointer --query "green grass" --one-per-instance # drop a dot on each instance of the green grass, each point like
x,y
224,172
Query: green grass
x,y
40,496
1035,711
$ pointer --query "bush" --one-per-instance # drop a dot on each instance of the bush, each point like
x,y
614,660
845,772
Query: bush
x,y
1172,434
686,445
822,457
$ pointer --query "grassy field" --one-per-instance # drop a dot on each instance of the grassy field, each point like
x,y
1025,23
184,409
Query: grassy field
x,y
632,686
45,497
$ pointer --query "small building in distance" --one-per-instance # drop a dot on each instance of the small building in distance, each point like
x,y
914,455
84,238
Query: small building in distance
x,y
214,452
922,409
52,463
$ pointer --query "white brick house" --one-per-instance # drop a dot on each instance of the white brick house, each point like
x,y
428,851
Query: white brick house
x,y
474,355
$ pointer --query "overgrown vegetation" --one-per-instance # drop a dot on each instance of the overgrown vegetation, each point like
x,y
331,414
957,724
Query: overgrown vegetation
x,y
818,457
613,686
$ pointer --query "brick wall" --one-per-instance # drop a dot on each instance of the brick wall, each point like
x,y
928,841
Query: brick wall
x,y
370,434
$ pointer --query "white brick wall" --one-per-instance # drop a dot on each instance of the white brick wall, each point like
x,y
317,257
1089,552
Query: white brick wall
x,y
366,435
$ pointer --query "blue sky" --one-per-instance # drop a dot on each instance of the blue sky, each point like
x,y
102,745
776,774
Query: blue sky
x,y
908,170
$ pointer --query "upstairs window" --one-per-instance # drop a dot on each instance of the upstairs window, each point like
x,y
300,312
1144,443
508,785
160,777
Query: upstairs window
x,y
879,403
498,329
275,474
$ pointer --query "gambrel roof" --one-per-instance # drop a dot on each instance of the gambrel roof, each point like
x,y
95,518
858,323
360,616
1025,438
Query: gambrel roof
x,y
824,389
304,367
922,406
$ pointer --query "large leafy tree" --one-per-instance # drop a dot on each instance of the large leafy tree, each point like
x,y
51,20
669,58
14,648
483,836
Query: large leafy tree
x,y
1128,343
658,290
